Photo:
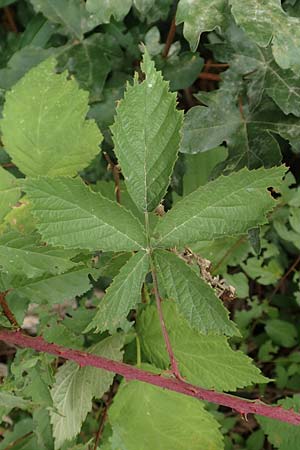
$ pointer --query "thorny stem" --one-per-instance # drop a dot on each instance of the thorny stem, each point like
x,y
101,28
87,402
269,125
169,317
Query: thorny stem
x,y
291,268
104,415
174,365
240,405
116,174
7,311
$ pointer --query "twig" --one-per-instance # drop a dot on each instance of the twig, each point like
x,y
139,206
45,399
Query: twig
x,y
18,441
170,38
10,19
229,251
174,365
209,76
216,65
7,311
238,404
104,415
287,273
116,174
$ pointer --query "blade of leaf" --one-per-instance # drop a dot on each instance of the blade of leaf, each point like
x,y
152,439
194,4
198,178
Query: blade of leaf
x,y
122,295
73,216
75,388
207,361
44,127
195,299
222,207
9,192
146,134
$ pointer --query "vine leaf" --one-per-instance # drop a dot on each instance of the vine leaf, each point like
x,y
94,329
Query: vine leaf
x,y
222,207
73,216
122,295
9,192
75,388
23,254
161,420
195,299
207,361
267,22
44,127
146,134
198,17
259,69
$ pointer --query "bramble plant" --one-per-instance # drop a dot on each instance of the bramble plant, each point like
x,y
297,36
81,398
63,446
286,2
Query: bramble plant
x,y
140,366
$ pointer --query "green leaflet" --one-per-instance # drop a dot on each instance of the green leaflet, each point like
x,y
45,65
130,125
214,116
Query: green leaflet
x,y
9,192
282,435
206,361
75,388
122,295
73,216
146,134
49,289
199,16
145,417
44,127
222,207
265,21
194,298
23,254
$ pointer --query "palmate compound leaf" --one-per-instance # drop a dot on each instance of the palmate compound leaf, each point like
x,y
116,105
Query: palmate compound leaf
x,y
194,298
71,215
44,127
199,16
146,134
222,207
24,254
9,192
283,435
265,21
75,388
145,417
206,361
122,295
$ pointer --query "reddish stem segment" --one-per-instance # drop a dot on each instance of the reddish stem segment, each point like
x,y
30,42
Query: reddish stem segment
x,y
6,310
133,373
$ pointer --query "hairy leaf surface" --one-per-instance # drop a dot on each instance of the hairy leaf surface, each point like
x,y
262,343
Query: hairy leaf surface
x,y
75,388
73,216
122,295
44,127
146,135
221,207
206,361
195,299
147,417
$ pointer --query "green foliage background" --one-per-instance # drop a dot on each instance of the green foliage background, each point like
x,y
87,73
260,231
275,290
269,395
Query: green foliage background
x,y
71,82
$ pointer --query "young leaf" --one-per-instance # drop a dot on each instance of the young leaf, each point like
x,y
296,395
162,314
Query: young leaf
x,y
23,254
9,192
73,216
265,22
222,207
206,361
123,294
146,134
44,127
283,435
195,299
75,388
161,420
104,10
198,17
